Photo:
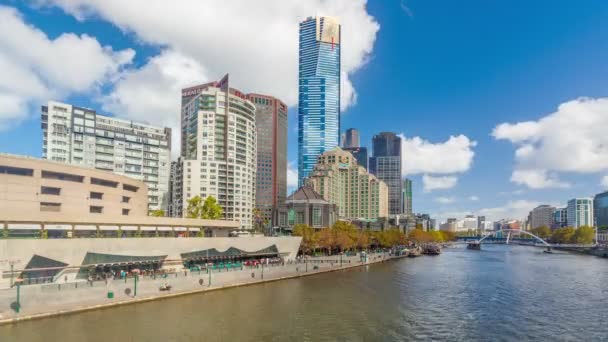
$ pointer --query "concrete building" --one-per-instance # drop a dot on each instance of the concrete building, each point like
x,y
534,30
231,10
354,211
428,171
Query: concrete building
x,y
319,91
386,165
481,221
350,138
306,206
175,208
360,153
407,196
30,186
341,181
600,209
81,136
541,216
449,225
219,149
271,182
580,212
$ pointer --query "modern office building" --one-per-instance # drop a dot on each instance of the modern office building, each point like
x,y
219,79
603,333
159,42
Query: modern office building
x,y
481,222
541,216
271,182
319,91
341,181
360,153
306,206
600,209
386,165
81,136
219,148
350,138
580,212
175,207
560,218
407,196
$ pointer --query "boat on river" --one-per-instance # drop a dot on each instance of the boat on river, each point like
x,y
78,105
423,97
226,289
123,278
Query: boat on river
x,y
416,252
431,249
474,245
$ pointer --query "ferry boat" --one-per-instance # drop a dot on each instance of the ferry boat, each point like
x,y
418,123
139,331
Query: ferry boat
x,y
431,250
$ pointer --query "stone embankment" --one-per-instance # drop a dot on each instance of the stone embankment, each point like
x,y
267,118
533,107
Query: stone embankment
x,y
47,300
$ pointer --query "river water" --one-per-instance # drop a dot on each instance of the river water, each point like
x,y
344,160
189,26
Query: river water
x,y
502,293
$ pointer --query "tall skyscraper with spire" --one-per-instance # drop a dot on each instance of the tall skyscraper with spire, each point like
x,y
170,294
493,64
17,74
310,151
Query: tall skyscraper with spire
x,y
319,91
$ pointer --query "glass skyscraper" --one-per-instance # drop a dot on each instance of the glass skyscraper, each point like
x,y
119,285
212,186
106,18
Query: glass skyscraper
x,y
386,165
319,91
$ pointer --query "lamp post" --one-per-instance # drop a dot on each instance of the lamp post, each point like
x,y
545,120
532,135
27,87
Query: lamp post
x,y
18,304
135,286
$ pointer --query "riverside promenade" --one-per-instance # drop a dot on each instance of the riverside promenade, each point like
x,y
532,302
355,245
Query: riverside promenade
x,y
46,300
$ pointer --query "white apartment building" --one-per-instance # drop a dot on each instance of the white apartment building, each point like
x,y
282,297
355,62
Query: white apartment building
x,y
80,136
219,149
580,212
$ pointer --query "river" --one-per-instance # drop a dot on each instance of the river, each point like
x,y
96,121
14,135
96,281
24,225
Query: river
x,y
502,293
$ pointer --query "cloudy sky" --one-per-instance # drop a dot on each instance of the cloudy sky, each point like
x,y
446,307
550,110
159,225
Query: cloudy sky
x,y
501,104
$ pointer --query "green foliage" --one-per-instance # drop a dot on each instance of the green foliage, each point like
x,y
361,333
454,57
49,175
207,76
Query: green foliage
x,y
5,233
543,232
563,235
420,236
259,221
209,209
309,238
584,235
44,234
157,213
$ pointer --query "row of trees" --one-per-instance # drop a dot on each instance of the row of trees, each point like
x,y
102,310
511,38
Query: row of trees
x,y
344,236
581,235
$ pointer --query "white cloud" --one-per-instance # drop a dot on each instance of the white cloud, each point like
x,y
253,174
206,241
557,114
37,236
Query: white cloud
x,y
452,156
151,94
604,182
572,139
537,179
473,198
292,176
444,200
431,183
36,68
257,45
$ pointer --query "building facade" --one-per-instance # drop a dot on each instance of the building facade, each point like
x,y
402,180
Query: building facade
x,y
541,216
386,165
350,138
31,186
80,136
360,153
219,149
341,181
306,206
580,212
600,209
319,91
560,218
407,196
271,181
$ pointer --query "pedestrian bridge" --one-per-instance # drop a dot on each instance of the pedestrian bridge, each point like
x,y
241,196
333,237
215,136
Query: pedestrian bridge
x,y
492,237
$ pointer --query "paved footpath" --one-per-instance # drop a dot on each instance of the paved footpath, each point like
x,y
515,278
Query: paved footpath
x,y
39,301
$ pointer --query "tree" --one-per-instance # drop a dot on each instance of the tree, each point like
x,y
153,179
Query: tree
x,y
157,213
584,235
209,210
343,240
258,220
308,237
325,238
563,235
542,232
419,236
363,240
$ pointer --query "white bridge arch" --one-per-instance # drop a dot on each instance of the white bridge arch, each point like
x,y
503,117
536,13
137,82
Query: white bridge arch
x,y
509,231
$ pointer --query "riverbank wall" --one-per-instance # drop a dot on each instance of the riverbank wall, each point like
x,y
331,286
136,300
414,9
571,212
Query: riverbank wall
x,y
43,301
601,252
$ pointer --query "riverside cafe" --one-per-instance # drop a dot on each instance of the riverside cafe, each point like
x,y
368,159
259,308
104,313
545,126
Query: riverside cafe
x,y
231,258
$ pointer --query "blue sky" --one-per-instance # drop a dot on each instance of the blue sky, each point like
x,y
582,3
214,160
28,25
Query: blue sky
x,y
428,69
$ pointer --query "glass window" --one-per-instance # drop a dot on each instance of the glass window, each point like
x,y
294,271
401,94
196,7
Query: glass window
x,y
96,195
49,206
48,190
95,209
17,171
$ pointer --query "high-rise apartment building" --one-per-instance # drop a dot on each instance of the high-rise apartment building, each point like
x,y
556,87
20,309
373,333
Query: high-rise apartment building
x,y
319,91
219,154
271,182
541,216
341,181
580,212
386,165
350,138
81,136
407,196
600,209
